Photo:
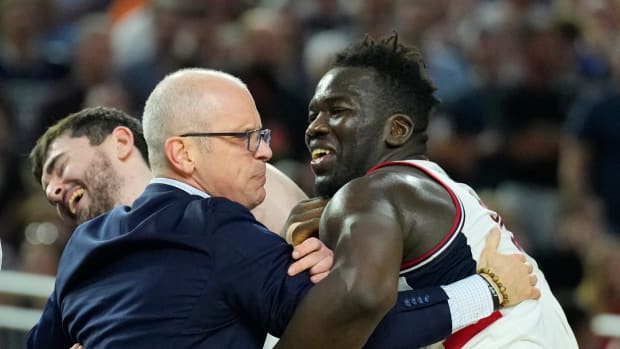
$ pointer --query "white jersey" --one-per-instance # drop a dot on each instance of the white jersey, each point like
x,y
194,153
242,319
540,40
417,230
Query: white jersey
x,y
531,324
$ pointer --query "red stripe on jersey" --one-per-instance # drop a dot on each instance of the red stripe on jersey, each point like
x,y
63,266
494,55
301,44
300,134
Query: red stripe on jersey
x,y
457,219
462,336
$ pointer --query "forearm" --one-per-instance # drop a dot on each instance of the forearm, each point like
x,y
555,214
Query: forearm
x,y
426,316
333,316
410,325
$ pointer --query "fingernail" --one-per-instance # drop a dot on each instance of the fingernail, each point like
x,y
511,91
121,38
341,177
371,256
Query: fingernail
x,y
291,270
295,254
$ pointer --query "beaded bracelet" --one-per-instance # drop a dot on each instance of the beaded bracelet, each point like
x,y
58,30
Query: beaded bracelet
x,y
500,286
494,295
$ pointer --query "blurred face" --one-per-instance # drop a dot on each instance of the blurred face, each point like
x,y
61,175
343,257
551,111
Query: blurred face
x,y
93,59
344,135
224,165
18,20
79,179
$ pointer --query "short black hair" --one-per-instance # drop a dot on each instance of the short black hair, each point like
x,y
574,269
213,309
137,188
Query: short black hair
x,y
409,90
96,124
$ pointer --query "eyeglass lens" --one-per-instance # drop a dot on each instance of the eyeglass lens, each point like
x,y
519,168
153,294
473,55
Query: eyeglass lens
x,y
255,139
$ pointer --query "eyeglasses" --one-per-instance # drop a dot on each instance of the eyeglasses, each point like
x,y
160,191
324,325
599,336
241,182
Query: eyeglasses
x,y
254,137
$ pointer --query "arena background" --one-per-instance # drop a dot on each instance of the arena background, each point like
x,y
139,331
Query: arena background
x,y
530,113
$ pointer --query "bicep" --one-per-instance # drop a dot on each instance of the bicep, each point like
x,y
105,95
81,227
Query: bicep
x,y
368,244
348,304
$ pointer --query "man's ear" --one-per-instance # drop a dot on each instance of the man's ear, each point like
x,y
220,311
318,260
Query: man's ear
x,y
123,142
399,128
177,151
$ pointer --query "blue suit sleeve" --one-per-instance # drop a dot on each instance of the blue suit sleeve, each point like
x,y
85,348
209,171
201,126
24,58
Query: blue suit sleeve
x,y
48,333
256,282
419,318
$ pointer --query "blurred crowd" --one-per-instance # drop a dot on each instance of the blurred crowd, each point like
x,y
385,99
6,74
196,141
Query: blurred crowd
x,y
530,112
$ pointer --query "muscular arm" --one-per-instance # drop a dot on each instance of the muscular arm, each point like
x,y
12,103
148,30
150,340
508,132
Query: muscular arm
x,y
345,307
343,310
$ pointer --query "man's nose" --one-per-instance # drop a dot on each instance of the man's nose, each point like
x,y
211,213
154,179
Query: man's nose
x,y
263,152
55,191
318,126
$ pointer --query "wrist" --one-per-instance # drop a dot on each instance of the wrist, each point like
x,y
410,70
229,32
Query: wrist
x,y
497,289
495,295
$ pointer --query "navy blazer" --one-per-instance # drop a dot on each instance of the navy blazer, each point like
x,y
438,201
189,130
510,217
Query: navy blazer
x,y
179,271
173,271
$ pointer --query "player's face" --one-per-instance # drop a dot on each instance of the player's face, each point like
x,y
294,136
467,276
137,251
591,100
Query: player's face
x,y
79,179
344,135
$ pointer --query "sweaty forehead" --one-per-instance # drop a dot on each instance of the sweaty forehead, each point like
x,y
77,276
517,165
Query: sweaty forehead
x,y
353,82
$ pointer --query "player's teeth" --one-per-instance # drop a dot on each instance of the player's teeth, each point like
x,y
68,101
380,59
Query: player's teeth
x,y
319,152
76,194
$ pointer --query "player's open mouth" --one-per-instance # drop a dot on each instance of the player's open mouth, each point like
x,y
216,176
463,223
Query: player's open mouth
x,y
74,199
320,152
322,159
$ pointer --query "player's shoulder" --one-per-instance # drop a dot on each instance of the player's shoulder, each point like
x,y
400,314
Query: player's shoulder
x,y
386,182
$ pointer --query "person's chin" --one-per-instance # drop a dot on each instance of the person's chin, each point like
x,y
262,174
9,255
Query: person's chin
x,y
323,186
258,199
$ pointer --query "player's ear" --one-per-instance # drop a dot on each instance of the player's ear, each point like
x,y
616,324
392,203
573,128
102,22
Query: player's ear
x,y
399,128
178,151
123,142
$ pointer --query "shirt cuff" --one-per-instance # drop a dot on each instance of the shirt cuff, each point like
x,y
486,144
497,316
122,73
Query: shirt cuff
x,y
469,301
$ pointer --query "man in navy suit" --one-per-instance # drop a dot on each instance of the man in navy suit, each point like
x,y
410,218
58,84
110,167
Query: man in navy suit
x,y
187,265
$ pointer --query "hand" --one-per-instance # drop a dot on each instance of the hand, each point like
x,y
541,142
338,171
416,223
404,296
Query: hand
x,y
303,221
314,256
76,346
512,270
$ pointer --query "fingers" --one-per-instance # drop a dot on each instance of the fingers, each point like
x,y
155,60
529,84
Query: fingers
x,y
313,256
304,220
535,294
316,278
300,231
76,346
520,257
315,202
307,213
290,231
490,246
299,266
312,206
306,247
513,271
316,263
492,241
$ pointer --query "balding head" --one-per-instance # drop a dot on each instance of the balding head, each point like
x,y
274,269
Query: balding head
x,y
199,126
187,100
